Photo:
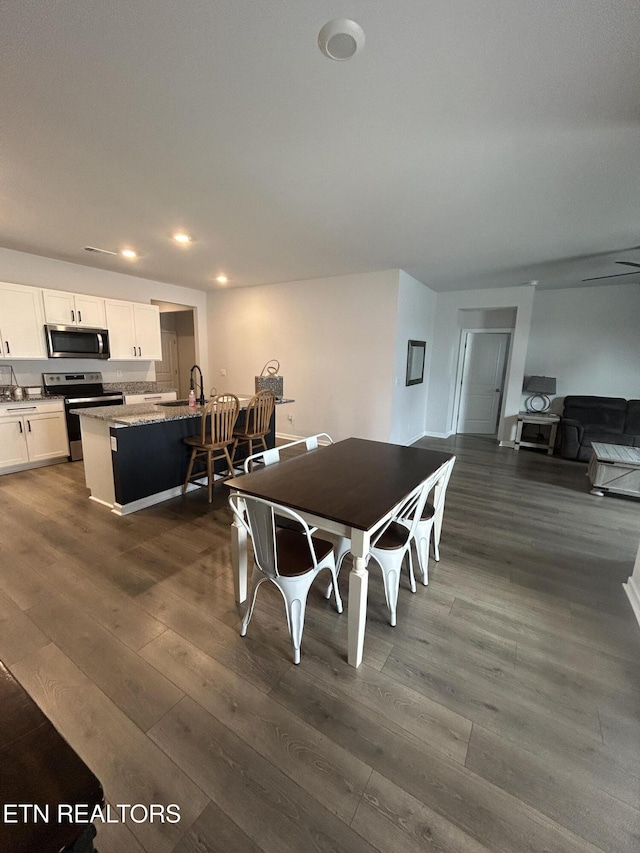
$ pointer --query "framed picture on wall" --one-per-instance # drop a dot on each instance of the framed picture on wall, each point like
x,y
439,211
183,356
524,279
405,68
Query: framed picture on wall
x,y
415,362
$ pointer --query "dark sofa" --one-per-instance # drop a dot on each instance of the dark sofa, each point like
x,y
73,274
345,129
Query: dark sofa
x,y
611,420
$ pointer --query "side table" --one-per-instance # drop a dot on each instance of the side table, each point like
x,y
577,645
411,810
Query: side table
x,y
549,420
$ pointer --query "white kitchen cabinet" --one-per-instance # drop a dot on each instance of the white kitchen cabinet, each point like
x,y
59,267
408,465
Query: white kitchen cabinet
x,y
148,337
21,322
73,309
134,331
151,397
13,444
32,435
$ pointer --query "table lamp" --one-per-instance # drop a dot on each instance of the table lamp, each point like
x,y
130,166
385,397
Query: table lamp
x,y
539,387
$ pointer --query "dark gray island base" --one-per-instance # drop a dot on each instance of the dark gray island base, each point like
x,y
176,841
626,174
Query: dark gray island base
x,y
135,456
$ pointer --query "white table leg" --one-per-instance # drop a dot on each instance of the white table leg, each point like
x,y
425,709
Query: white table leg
x,y
239,560
358,586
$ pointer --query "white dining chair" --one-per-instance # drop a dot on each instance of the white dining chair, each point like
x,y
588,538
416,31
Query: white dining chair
x,y
392,543
431,522
290,559
272,455
268,457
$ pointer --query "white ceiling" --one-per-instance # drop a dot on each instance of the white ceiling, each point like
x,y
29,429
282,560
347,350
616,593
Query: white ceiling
x,y
473,143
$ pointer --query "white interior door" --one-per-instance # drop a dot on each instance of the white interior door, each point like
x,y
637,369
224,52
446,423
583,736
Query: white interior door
x,y
483,372
167,369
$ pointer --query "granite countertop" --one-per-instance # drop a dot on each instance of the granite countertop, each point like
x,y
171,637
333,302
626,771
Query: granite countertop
x,y
150,413
136,387
37,399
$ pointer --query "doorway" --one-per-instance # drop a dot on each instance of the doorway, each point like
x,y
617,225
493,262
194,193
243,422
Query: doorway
x,y
177,325
482,373
167,372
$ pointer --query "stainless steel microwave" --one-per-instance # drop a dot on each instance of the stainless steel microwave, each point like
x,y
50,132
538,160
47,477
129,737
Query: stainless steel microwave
x,y
76,342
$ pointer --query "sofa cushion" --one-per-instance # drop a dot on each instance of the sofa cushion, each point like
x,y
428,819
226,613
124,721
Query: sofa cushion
x,y
632,423
597,414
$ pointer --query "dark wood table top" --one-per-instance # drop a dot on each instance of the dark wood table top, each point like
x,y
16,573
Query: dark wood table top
x,y
38,766
354,482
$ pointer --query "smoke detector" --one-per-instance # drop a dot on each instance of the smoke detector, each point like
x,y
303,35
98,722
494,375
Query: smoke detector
x,y
341,39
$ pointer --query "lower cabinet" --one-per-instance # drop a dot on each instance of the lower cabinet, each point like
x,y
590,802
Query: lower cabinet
x,y
13,443
31,436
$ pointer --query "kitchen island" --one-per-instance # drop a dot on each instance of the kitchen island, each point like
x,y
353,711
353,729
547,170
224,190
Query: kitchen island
x,y
135,456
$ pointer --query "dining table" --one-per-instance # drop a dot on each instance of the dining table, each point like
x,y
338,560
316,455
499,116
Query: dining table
x,y
350,488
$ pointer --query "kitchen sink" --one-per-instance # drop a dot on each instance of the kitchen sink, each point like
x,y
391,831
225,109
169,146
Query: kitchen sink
x,y
172,403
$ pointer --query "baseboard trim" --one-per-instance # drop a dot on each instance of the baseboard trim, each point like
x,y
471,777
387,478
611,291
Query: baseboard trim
x,y
27,466
633,592
150,500
437,435
415,438
284,436
508,443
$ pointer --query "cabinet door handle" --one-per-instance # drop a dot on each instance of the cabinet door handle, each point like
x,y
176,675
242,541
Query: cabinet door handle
x,y
134,351
139,351
20,426
6,343
29,425
73,316
79,316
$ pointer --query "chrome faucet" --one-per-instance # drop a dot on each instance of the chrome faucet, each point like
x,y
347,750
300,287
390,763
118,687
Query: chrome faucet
x,y
192,383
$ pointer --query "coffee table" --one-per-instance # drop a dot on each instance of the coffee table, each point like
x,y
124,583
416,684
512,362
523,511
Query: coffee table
x,y
614,468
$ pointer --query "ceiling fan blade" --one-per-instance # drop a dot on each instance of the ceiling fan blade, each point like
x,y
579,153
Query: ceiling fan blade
x,y
616,275
628,264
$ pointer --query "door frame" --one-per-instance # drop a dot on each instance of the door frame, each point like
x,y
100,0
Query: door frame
x,y
460,369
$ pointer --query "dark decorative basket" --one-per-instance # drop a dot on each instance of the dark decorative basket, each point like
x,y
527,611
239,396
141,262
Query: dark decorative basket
x,y
270,380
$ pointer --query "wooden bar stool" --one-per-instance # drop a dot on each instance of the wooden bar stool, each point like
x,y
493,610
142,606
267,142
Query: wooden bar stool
x,y
219,418
256,424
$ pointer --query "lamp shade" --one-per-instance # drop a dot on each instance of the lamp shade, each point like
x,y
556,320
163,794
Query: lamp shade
x,y
540,385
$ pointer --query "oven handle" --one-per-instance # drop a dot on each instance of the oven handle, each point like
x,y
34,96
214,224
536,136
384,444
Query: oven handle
x,y
73,401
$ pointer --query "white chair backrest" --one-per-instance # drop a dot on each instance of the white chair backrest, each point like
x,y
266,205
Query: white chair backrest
x,y
268,457
259,522
444,474
313,440
409,510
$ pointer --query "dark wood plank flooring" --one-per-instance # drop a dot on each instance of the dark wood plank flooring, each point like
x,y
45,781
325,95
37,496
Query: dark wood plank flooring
x,y
501,714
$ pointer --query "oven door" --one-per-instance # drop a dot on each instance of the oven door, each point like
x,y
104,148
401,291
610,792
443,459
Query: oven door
x,y
74,342
73,421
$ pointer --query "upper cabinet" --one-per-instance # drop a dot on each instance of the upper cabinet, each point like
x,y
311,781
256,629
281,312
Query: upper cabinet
x,y
134,331
21,322
73,309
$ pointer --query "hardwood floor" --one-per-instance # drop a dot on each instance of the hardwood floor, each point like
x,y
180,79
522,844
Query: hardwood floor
x,y
501,714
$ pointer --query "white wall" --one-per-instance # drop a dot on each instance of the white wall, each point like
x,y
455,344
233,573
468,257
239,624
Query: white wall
x,y
446,347
335,339
491,318
415,319
589,339
22,268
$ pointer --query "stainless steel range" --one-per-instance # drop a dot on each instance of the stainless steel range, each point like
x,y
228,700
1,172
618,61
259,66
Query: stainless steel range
x,y
80,391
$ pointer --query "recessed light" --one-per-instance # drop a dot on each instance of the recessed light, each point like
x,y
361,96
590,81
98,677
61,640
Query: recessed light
x,y
222,279
129,254
181,237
